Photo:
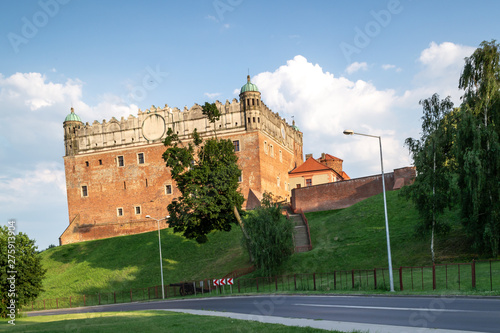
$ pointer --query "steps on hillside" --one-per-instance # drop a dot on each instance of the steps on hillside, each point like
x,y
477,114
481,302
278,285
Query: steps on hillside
x,y
300,236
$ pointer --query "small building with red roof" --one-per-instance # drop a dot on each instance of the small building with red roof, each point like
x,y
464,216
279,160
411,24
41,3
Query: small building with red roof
x,y
326,169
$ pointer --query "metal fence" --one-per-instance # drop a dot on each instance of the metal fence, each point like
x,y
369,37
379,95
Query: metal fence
x,y
473,276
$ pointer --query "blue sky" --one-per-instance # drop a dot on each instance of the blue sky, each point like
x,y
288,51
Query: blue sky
x,y
332,65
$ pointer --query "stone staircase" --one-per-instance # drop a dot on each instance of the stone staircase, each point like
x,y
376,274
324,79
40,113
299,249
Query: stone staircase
x,y
301,232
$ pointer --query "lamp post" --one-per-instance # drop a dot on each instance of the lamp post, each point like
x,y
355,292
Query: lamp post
x,y
351,132
159,245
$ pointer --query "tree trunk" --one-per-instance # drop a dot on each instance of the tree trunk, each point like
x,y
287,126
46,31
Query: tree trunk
x,y
240,222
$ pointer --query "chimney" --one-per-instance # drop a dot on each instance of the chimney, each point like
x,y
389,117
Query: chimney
x,y
308,155
322,156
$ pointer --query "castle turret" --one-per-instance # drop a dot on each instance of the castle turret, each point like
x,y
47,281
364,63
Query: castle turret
x,y
251,104
71,125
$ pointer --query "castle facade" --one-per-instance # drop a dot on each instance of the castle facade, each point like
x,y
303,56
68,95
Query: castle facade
x,y
116,176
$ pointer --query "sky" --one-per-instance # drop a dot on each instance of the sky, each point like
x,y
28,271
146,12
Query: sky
x,y
328,65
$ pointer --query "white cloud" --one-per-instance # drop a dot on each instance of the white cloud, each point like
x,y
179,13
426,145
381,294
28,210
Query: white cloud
x,y
39,182
324,105
441,66
356,66
212,95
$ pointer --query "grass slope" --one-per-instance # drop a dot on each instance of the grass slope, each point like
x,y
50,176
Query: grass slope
x,y
352,238
355,238
126,262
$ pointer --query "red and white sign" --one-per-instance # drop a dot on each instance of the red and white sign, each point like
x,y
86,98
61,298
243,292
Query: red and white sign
x,y
222,282
230,281
216,282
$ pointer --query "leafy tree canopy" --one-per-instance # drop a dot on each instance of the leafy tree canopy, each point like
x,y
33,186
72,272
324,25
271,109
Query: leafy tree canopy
x,y
271,236
21,271
206,173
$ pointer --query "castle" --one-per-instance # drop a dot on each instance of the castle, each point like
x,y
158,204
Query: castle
x,y
115,174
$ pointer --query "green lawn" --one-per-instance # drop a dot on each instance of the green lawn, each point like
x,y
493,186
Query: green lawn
x,y
352,238
142,321
121,263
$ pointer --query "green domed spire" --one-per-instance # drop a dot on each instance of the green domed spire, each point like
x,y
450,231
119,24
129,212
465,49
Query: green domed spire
x,y
72,116
249,86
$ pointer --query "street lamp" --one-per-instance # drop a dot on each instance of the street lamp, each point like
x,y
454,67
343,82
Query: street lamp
x,y
159,245
351,132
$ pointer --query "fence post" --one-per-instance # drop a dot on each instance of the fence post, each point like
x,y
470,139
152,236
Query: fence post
x,y
295,278
491,278
353,279
314,280
239,287
276,282
194,286
131,295
375,277
99,298
401,278
473,267
257,281
433,276
334,280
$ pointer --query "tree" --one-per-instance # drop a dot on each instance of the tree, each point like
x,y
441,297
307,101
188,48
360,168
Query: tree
x,y
206,174
21,271
431,191
477,147
271,235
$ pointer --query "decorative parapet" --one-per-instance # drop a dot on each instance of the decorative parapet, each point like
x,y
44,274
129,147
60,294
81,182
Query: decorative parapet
x,y
151,125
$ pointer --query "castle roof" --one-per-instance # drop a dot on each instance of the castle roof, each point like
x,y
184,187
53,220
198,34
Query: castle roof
x,y
310,165
249,86
72,116
328,157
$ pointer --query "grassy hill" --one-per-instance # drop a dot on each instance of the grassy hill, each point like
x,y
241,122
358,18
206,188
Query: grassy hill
x,y
352,238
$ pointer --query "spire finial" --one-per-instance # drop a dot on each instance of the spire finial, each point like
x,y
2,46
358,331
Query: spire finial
x,y
72,110
248,78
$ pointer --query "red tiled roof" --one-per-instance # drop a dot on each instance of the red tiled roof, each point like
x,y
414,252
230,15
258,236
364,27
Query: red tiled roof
x,y
331,157
310,165
345,176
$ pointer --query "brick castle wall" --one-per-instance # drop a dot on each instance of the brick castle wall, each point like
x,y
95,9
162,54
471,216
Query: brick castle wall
x,y
346,193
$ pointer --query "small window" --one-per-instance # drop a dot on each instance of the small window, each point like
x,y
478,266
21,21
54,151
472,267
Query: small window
x,y
253,119
85,192
119,211
271,150
140,158
121,161
100,162
309,182
298,185
124,185
249,120
253,101
258,119
137,210
86,163
168,189
236,145
240,179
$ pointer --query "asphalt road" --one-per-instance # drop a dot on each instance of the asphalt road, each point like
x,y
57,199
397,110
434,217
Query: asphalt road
x,y
451,313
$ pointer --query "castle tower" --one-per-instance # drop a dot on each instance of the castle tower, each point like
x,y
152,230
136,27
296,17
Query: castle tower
x,y
250,104
71,124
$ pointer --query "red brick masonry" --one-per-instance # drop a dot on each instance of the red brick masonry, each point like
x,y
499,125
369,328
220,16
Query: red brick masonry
x,y
346,193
